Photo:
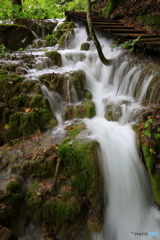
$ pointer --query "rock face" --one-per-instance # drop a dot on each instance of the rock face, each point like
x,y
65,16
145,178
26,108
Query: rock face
x,y
40,27
7,234
15,37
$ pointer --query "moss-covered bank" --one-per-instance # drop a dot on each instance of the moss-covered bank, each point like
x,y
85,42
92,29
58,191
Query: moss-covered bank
x,y
149,132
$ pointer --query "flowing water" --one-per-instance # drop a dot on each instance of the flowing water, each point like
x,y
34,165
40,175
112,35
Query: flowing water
x,y
117,90
129,209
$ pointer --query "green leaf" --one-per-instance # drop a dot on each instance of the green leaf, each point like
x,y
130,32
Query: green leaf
x,y
146,125
147,133
157,136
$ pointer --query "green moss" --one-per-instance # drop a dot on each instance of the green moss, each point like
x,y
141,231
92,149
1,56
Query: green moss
x,y
45,116
65,26
13,187
62,31
85,110
80,164
19,101
41,167
76,130
38,101
150,20
14,127
85,46
29,123
55,56
90,109
24,124
59,211
11,201
51,210
156,186
150,160
88,95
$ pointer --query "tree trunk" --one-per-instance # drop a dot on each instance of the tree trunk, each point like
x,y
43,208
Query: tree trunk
x,y
17,3
104,60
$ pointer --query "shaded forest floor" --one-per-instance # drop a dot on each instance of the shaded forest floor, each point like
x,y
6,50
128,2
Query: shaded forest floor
x,y
132,14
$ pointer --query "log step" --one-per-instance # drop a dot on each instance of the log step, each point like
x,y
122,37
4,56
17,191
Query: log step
x,y
124,31
103,27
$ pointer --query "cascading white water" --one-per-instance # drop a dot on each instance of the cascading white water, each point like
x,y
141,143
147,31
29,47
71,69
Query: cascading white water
x,y
55,102
129,208
128,203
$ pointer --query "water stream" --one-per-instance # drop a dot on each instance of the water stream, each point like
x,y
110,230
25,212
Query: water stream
x,y
129,206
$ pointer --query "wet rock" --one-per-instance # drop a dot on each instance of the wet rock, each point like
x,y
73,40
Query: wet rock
x,y
15,37
21,70
70,86
63,33
84,110
56,57
38,43
7,234
85,46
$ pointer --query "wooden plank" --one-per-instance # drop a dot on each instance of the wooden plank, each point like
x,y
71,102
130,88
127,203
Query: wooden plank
x,y
148,39
112,27
108,23
124,31
131,36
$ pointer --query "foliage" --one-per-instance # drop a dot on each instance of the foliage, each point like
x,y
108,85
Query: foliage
x,y
46,9
152,129
129,45
3,50
51,40
77,5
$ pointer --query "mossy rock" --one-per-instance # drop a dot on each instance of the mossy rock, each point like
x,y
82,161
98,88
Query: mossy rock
x,y
150,161
19,108
150,21
85,46
63,31
80,164
23,124
12,201
38,101
67,85
84,110
65,38
55,56
54,211
9,67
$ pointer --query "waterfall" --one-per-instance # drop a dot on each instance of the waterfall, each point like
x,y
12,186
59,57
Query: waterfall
x,y
55,101
117,93
129,207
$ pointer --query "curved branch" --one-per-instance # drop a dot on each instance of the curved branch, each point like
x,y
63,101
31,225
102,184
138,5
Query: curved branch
x,y
104,60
